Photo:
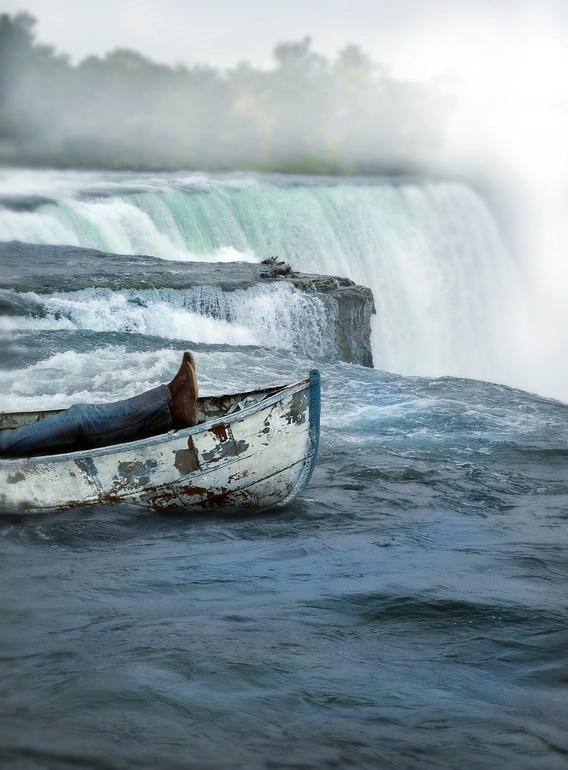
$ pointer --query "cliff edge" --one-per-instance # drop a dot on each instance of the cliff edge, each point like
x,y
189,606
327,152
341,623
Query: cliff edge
x,y
45,269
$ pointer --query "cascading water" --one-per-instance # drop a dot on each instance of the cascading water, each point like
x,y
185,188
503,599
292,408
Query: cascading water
x,y
274,316
447,294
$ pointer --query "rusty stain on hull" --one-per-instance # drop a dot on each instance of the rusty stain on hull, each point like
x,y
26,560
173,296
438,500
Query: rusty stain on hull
x,y
220,431
223,445
239,475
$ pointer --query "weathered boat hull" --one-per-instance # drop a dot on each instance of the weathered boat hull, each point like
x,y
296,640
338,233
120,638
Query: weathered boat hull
x,y
257,456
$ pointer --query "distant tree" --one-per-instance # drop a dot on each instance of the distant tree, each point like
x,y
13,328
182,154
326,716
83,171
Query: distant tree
x,y
299,100
306,113
32,78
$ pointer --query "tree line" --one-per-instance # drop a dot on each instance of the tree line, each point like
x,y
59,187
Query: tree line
x,y
307,113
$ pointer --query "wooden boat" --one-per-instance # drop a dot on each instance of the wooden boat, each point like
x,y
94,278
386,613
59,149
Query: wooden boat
x,y
254,450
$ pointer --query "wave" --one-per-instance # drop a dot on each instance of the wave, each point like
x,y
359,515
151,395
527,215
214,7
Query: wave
x,y
275,316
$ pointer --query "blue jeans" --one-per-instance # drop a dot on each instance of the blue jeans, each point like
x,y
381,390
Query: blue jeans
x,y
84,426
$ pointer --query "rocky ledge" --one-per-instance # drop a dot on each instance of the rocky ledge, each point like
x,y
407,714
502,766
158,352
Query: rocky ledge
x,y
351,307
45,269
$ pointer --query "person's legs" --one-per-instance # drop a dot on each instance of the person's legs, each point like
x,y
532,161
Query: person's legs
x,y
84,426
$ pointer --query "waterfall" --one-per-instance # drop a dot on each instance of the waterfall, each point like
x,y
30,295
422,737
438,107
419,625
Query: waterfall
x,y
447,293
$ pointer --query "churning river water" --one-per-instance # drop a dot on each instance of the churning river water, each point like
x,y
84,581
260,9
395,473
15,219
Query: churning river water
x,y
408,611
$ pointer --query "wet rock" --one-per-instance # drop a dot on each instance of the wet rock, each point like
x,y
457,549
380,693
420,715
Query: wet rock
x,y
45,268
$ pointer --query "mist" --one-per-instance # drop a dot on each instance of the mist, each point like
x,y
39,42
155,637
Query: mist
x,y
476,94
306,113
509,128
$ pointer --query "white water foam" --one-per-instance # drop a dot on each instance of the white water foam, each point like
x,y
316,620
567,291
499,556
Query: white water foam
x,y
275,316
113,372
449,298
110,225
107,373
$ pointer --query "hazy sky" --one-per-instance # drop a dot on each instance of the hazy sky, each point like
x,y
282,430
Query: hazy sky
x,y
223,32
504,60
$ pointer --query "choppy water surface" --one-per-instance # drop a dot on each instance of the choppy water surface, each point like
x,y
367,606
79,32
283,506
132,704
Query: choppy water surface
x,y
409,611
